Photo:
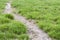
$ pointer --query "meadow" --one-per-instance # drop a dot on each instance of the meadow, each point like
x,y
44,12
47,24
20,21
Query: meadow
x,y
11,29
46,14
2,4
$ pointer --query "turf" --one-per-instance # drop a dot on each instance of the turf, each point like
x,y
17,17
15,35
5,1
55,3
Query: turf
x,y
46,13
2,5
9,28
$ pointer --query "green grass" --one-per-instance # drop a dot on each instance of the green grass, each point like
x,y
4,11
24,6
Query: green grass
x,y
46,13
11,29
2,5
10,16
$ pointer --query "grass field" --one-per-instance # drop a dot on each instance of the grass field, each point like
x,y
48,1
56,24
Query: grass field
x,y
2,4
9,28
46,13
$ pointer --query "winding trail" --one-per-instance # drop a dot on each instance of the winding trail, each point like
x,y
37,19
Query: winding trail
x,y
33,31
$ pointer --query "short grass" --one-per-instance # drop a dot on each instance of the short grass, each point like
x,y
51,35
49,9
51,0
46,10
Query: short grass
x,y
46,13
9,28
2,4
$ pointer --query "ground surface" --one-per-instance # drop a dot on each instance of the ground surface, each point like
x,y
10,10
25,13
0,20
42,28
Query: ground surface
x,y
33,31
46,14
10,29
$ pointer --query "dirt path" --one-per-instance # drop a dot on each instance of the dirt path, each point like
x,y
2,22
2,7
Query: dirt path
x,y
33,31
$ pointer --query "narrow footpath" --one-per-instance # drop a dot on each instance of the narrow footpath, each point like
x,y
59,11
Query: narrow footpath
x,y
33,31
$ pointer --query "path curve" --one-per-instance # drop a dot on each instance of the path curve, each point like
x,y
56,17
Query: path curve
x,y
33,31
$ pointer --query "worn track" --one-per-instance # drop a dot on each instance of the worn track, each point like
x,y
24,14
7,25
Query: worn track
x,y
33,31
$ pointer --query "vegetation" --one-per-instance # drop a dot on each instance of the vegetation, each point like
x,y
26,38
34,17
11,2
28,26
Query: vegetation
x,y
46,13
10,16
2,4
9,28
